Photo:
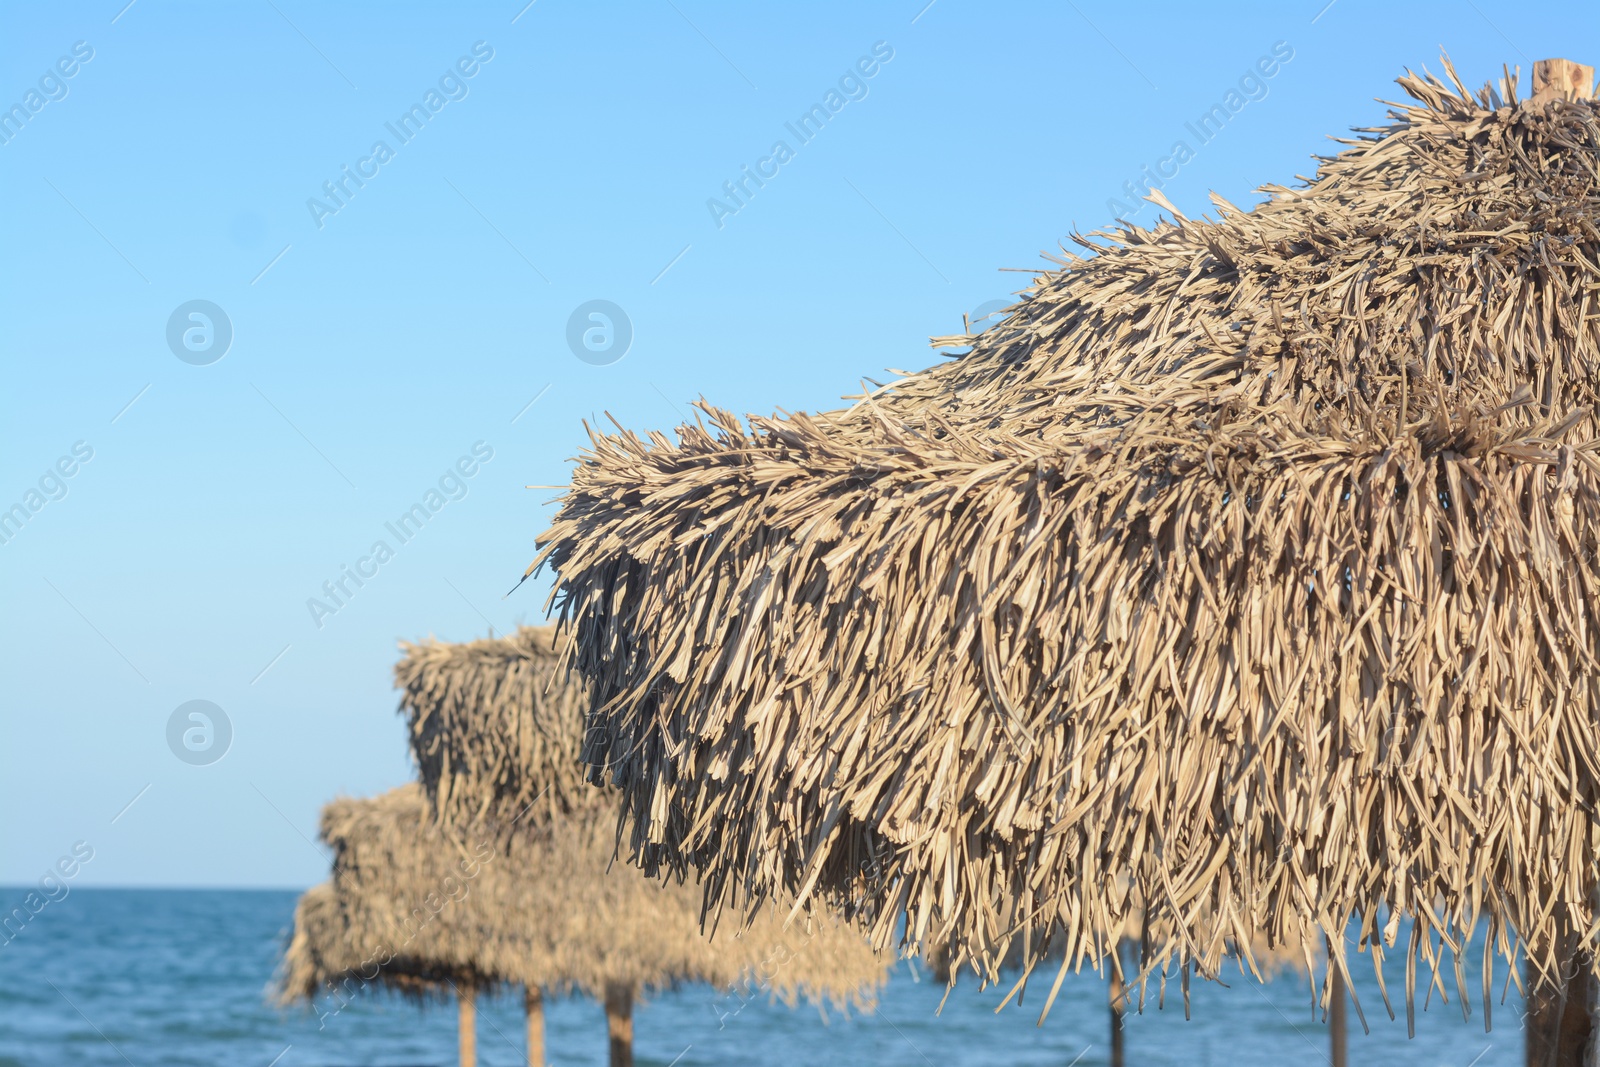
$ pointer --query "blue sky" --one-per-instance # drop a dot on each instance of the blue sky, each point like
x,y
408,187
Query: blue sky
x,y
374,347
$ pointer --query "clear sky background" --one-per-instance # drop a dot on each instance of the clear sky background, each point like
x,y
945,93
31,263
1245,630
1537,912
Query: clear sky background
x,y
371,352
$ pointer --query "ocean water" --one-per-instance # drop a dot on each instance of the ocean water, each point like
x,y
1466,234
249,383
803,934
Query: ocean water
x,y
139,978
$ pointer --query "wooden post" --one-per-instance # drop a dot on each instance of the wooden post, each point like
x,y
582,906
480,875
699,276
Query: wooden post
x,y
1338,1022
1118,1001
467,1003
1558,1021
1554,78
1558,1025
619,1024
533,1000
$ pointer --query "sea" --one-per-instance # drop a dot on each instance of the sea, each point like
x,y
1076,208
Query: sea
x,y
147,977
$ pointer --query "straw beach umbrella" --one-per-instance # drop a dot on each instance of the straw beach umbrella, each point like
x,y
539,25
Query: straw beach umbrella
x,y
328,958
1251,558
489,720
540,909
421,903
496,727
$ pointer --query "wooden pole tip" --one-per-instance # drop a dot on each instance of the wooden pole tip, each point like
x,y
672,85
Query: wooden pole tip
x,y
1562,78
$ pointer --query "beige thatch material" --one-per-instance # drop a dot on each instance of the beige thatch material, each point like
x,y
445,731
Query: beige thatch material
x,y
317,956
497,729
324,958
495,726
541,909
1254,558
329,961
427,912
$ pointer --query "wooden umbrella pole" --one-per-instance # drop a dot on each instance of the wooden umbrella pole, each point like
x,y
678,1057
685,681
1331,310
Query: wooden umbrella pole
x,y
533,1000
1338,1022
1118,1002
619,1024
467,1001
1559,1026
1558,1022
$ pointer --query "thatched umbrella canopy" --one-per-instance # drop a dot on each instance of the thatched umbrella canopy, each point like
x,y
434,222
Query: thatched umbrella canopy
x,y
545,908
1253,558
